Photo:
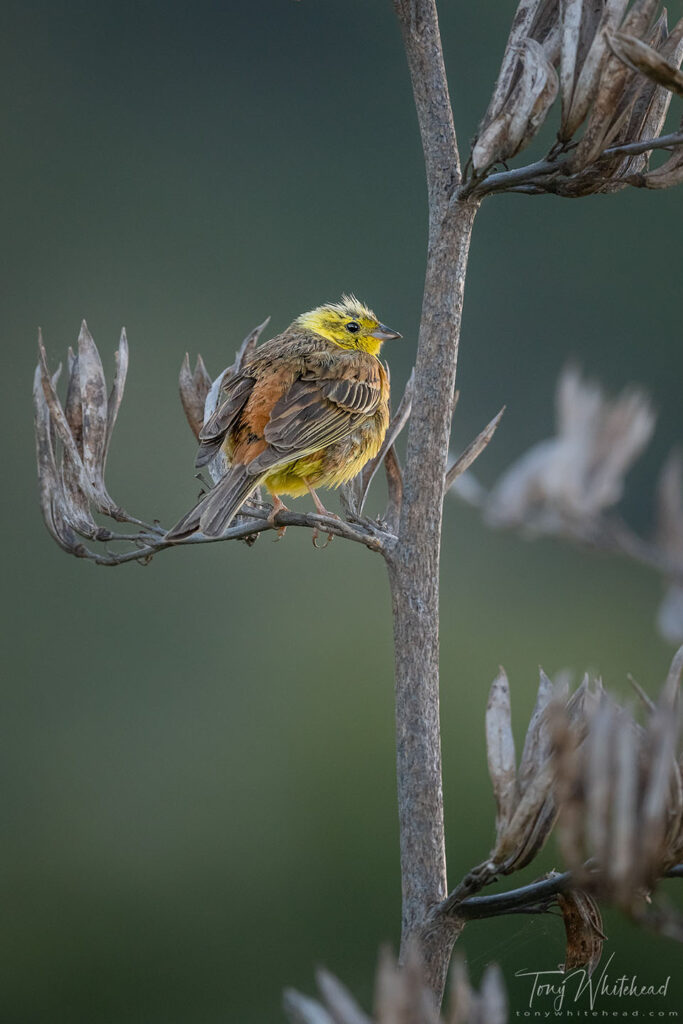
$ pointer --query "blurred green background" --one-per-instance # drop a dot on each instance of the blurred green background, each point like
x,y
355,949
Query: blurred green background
x,y
198,789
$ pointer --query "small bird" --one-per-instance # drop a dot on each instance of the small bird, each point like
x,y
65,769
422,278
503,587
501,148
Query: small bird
x,y
309,409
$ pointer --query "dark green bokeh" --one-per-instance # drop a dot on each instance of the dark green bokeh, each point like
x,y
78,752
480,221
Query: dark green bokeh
x,y
198,756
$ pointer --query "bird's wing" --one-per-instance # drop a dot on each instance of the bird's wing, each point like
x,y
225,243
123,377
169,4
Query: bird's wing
x,y
235,395
315,413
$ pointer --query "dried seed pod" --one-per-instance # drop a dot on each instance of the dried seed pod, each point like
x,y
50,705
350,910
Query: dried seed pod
x,y
545,29
670,504
666,176
670,615
649,104
200,395
602,126
492,1003
401,993
545,88
53,503
500,749
523,112
637,54
533,19
302,1010
669,537
194,386
338,998
583,926
621,794
588,79
525,800
116,393
571,11
402,997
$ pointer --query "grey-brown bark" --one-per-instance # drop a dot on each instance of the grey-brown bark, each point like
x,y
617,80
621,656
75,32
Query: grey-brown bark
x,y
414,560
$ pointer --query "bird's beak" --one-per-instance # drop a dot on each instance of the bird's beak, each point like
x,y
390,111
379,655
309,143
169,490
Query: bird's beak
x,y
384,333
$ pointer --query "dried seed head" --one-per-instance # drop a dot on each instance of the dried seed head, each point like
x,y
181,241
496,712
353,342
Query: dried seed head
x,y
402,997
72,442
616,78
574,476
621,797
488,1006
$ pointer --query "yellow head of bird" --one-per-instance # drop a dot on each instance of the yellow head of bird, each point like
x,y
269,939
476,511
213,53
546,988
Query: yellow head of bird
x,y
349,324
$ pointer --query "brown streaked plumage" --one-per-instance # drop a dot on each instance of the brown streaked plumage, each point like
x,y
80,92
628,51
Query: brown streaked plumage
x,y
309,409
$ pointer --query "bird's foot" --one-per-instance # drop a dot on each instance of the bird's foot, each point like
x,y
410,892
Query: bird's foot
x,y
278,506
322,511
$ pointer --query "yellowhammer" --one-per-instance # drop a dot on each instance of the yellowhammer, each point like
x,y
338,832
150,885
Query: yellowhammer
x,y
309,409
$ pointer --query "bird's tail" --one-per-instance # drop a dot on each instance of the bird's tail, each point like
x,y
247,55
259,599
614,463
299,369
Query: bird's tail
x,y
214,512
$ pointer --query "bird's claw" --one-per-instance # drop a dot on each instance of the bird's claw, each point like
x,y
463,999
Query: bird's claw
x,y
316,532
314,538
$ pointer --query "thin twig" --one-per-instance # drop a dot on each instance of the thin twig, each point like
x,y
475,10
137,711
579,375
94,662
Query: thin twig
x,y
541,170
398,422
515,900
473,450
532,898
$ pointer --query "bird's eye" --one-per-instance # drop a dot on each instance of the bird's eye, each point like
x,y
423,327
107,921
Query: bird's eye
x,y
353,327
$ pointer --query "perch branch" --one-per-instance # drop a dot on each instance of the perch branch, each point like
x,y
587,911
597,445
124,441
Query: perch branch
x,y
152,545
